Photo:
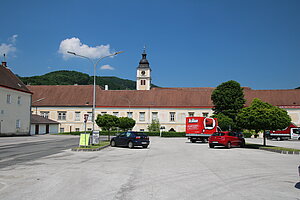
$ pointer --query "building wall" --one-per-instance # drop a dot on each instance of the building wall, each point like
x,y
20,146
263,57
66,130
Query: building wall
x,y
53,128
15,114
163,115
295,115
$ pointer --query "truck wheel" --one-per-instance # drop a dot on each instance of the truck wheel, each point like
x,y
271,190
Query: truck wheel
x,y
193,141
204,140
278,138
228,145
211,146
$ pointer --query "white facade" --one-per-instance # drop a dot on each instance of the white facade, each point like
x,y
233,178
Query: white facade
x,y
168,117
143,79
14,112
53,128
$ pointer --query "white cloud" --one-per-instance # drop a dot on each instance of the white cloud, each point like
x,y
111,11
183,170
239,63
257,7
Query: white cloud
x,y
10,48
13,39
108,67
74,45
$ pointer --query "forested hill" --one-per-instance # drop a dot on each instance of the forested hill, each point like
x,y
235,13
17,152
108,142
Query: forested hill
x,y
73,77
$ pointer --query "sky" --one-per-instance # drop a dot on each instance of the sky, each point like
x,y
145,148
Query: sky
x,y
189,43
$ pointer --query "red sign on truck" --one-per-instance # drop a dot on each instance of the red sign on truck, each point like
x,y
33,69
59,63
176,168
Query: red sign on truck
x,y
200,128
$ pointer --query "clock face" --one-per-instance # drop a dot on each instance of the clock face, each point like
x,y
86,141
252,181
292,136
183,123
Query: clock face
x,y
143,72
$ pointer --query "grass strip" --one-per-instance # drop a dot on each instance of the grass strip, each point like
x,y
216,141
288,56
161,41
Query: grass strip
x,y
102,144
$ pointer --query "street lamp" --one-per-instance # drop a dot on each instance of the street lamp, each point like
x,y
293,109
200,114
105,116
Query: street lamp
x,y
95,63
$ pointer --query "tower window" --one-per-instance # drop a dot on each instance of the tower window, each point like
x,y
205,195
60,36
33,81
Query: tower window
x,y
143,82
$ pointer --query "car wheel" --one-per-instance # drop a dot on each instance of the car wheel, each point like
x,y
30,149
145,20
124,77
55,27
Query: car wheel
x,y
204,140
193,141
130,145
228,145
243,144
211,146
145,146
113,143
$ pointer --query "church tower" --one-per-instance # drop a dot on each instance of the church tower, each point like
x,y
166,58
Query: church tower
x,y
143,75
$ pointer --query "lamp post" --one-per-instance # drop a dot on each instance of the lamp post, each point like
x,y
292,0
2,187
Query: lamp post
x,y
95,63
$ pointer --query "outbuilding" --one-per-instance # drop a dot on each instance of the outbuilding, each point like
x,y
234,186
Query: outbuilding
x,y
41,125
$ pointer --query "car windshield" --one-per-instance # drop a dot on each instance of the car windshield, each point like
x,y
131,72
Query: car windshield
x,y
218,134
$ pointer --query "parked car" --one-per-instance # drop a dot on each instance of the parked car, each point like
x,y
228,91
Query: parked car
x,y
130,139
227,139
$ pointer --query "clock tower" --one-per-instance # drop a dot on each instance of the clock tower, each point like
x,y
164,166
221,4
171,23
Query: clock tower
x,y
143,75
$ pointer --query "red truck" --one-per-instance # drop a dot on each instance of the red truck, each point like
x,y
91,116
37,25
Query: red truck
x,y
200,128
291,132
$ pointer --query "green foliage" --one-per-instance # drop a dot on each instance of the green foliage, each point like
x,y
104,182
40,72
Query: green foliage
x,y
154,126
262,116
224,122
228,99
107,122
247,134
126,123
65,77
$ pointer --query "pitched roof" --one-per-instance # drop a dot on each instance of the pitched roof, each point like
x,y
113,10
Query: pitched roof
x,y
62,95
72,95
9,80
36,119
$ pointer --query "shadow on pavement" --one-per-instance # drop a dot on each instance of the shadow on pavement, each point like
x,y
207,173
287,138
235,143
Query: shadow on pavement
x,y
297,185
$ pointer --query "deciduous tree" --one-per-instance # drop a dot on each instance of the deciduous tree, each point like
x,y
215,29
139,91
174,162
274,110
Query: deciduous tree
x,y
126,123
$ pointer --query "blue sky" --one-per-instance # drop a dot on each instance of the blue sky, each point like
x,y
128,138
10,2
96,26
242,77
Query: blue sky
x,y
190,43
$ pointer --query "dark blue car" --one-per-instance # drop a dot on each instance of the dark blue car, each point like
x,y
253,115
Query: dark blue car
x,y
130,139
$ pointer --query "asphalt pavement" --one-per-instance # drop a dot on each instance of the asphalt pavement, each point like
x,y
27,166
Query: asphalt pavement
x,y
171,168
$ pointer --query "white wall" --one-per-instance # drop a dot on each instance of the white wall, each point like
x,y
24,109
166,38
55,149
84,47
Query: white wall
x,y
53,128
11,112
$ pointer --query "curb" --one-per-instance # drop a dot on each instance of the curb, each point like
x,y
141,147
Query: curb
x,y
280,151
96,149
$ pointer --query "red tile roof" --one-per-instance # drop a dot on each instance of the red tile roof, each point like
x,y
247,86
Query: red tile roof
x,y
9,80
81,95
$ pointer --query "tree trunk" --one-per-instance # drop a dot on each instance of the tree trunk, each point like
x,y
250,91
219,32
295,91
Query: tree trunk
x,y
264,137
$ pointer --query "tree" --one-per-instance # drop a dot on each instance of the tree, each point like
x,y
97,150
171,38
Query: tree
x,y
225,122
107,122
262,116
126,123
154,126
228,99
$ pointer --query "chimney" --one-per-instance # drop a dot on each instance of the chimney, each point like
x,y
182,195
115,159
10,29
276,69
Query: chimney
x,y
106,87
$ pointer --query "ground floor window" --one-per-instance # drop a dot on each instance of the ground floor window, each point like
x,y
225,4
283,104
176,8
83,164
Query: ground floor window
x,y
77,129
62,130
18,123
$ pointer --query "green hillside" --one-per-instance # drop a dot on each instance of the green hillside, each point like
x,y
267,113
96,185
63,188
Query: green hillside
x,y
65,77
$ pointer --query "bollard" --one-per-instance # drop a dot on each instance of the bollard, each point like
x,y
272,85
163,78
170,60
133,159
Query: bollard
x,y
299,170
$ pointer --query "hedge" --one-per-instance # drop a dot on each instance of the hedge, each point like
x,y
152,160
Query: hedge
x,y
113,133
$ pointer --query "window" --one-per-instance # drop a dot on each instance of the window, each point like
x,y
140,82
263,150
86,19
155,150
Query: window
x,y
62,130
8,99
143,82
89,129
18,123
61,115
191,114
77,116
19,100
90,116
116,114
172,116
154,115
142,116
77,129
129,114
205,114
142,130
44,114
102,113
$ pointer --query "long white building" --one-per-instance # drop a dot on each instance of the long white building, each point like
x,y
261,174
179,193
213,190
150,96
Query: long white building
x,y
68,103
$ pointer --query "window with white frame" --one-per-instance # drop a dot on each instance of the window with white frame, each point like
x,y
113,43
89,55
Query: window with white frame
x,y
154,115
172,116
116,114
205,114
61,115
191,114
62,130
142,116
77,116
77,129
8,99
18,123
90,116
102,113
129,114
19,100
44,114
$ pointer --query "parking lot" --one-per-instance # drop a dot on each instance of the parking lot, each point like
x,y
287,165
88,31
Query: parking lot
x,y
171,168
